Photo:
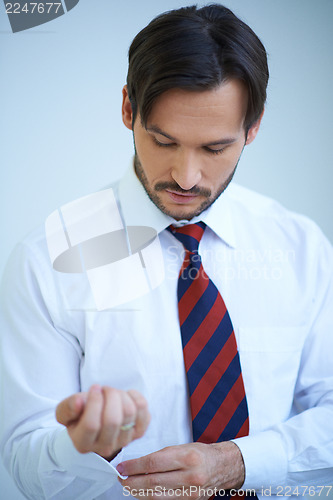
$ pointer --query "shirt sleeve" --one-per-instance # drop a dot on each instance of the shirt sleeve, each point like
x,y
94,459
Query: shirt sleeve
x,y
299,451
39,367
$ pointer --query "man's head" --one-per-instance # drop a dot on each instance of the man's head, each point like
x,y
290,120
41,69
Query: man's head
x,y
196,77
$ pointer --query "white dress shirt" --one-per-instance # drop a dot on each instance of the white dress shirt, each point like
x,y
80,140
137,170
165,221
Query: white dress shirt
x,y
274,271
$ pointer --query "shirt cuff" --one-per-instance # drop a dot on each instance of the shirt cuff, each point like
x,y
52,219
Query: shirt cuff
x,y
265,460
85,465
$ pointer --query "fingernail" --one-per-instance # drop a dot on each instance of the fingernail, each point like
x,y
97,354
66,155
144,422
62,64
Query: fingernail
x,y
120,468
72,404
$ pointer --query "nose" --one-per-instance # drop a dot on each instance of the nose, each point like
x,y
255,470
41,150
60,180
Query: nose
x,y
186,170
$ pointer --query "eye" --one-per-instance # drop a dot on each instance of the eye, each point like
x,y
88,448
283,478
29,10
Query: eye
x,y
162,144
214,151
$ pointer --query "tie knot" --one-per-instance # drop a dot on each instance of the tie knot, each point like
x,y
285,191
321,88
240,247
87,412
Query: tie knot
x,y
189,235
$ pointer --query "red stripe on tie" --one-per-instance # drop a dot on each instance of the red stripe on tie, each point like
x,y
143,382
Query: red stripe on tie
x,y
207,328
212,376
191,230
244,430
225,412
206,365
191,297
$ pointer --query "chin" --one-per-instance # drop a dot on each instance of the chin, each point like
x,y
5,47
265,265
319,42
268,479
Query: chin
x,y
181,212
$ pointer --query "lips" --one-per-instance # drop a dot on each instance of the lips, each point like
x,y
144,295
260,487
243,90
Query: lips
x,y
180,197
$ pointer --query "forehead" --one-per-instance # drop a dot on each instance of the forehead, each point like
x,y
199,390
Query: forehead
x,y
222,108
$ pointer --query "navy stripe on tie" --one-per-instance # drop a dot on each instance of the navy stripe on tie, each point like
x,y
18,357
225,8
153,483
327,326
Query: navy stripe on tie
x,y
216,398
198,313
237,420
208,354
189,242
183,234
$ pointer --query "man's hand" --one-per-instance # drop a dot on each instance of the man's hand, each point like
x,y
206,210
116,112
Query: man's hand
x,y
205,466
101,420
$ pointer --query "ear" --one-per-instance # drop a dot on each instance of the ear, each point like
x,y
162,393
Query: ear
x,y
126,109
252,133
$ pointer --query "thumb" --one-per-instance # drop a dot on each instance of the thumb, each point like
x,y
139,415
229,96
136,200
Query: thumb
x,y
70,408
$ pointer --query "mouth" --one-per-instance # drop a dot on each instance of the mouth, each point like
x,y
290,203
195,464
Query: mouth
x,y
181,198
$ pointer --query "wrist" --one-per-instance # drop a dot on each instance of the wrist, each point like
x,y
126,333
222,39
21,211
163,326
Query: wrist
x,y
230,464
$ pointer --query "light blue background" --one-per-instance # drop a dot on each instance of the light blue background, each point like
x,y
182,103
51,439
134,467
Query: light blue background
x,y
60,97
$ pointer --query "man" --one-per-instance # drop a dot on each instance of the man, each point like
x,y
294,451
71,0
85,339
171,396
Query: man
x,y
121,379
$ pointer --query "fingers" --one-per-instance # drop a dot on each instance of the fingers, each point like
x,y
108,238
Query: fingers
x,y
129,419
87,431
161,461
119,410
104,420
142,414
184,471
70,408
175,468
163,480
125,417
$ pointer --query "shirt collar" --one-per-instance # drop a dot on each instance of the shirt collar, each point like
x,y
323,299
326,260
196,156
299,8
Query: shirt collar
x,y
138,210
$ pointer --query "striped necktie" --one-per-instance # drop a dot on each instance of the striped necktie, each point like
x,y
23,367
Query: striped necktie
x,y
217,395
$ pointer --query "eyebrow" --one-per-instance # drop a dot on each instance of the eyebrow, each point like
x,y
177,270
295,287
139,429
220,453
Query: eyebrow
x,y
155,129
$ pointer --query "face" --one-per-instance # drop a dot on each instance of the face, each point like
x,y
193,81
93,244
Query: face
x,y
188,152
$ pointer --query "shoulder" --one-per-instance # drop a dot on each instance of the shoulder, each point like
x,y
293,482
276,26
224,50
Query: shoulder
x,y
261,208
257,204
262,221
49,258
74,222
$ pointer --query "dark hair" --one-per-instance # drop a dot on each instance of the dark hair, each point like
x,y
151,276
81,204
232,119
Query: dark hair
x,y
196,49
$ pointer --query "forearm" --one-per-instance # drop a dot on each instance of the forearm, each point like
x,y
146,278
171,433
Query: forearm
x,y
45,464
